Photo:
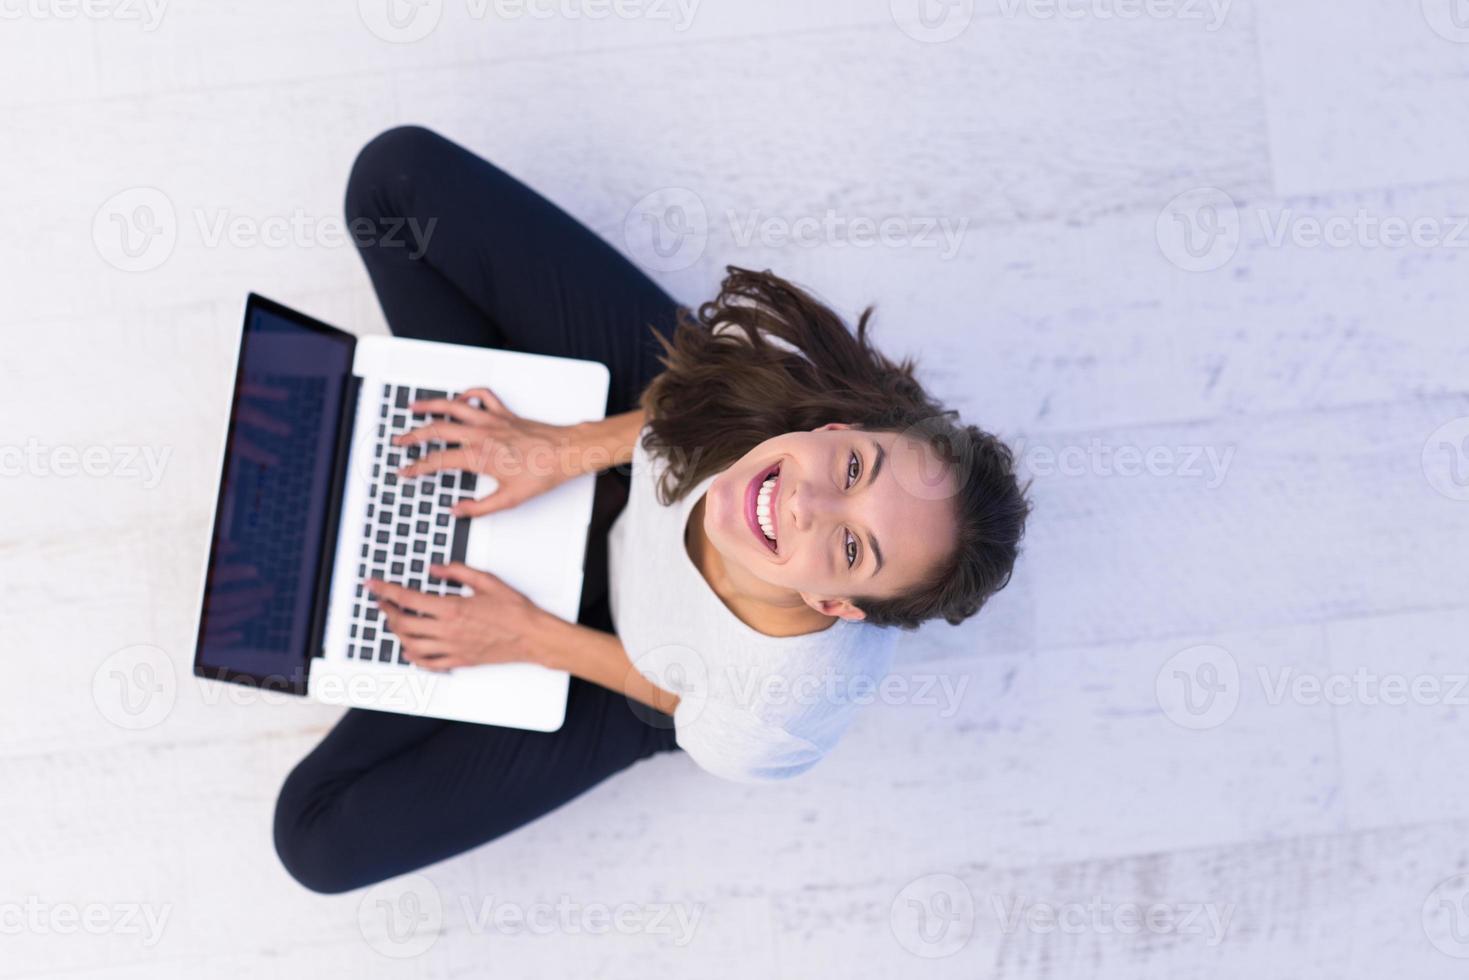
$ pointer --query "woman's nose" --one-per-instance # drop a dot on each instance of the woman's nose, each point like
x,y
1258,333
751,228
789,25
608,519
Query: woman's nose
x,y
810,503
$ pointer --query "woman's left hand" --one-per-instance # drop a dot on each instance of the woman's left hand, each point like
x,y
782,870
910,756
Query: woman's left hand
x,y
492,625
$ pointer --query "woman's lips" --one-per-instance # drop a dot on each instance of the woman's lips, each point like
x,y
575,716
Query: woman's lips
x,y
752,492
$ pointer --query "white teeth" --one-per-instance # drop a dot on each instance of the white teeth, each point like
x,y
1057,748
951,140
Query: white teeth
x,y
762,508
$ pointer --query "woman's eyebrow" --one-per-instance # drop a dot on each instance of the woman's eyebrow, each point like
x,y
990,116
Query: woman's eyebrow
x,y
878,455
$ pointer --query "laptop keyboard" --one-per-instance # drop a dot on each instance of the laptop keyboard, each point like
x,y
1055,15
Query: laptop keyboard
x,y
408,526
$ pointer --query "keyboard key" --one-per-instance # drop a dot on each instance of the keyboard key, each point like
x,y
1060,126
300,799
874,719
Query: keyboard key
x,y
459,550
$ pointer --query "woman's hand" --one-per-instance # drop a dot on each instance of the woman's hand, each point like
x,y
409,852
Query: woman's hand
x,y
526,458
493,625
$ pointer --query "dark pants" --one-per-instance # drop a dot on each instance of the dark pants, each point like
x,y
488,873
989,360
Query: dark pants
x,y
384,794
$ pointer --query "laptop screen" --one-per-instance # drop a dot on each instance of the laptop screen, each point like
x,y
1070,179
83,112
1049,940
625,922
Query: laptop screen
x,y
274,500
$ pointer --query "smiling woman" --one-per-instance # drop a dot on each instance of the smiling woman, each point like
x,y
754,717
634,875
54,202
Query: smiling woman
x,y
792,494
843,449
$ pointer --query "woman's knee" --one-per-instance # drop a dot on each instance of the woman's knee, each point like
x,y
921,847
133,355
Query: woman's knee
x,y
387,161
312,851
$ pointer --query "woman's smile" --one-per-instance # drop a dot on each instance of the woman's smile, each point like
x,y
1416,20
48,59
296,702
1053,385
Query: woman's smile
x,y
761,496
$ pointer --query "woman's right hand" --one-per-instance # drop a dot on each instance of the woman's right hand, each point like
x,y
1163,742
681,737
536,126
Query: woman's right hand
x,y
525,457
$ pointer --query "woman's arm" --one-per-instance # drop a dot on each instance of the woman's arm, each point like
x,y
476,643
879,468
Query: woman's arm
x,y
595,656
601,445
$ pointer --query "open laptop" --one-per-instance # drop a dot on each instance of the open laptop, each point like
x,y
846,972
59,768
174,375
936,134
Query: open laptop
x,y
310,505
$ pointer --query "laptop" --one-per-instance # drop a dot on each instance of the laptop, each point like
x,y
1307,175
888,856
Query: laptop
x,y
310,505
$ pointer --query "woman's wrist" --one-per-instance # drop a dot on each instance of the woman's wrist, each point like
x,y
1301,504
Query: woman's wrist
x,y
604,443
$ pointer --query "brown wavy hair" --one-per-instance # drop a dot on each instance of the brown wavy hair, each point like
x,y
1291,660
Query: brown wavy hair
x,y
723,393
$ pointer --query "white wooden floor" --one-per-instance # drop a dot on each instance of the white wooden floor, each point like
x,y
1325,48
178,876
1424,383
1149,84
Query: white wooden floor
x,y
1216,728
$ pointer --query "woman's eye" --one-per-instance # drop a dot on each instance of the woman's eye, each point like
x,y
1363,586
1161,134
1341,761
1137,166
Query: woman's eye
x,y
854,469
851,550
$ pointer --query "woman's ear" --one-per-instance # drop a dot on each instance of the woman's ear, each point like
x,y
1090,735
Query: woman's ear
x,y
832,425
841,608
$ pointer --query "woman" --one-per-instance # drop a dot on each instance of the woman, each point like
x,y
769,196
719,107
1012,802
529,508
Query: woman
x,y
792,496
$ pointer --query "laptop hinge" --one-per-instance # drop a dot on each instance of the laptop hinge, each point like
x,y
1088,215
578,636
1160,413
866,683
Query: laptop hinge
x,y
342,452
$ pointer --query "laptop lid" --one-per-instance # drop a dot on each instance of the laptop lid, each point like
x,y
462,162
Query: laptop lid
x,y
279,497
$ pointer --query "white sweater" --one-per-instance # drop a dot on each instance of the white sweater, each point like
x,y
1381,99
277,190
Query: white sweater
x,y
751,706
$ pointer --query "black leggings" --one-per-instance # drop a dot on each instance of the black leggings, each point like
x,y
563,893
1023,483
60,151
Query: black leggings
x,y
503,268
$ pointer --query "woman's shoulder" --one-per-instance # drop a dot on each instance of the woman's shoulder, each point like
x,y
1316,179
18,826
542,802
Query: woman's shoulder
x,y
807,682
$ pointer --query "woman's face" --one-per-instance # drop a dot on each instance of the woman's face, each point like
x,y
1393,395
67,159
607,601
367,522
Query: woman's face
x,y
852,513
